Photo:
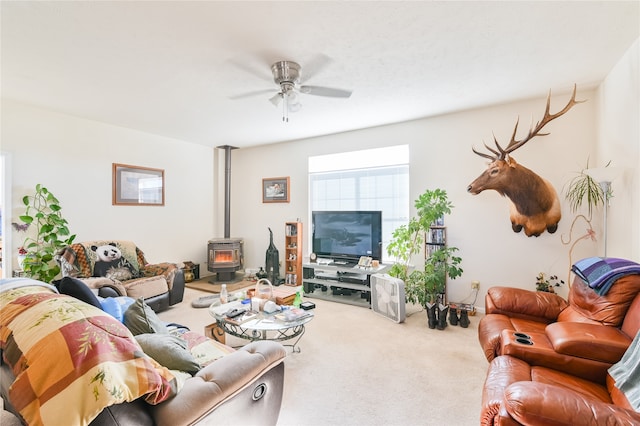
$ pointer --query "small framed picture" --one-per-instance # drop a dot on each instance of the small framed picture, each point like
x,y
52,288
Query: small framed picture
x,y
275,190
137,186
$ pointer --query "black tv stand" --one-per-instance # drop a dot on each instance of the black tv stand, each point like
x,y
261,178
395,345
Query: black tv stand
x,y
339,282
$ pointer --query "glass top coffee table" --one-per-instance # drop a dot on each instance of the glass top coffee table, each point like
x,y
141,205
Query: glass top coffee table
x,y
262,326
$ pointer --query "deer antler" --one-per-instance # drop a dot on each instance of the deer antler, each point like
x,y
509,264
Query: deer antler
x,y
514,144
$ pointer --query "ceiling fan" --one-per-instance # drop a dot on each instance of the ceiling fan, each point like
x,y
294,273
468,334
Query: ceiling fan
x,y
287,75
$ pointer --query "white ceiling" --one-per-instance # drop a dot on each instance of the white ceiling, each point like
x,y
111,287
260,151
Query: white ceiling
x,y
170,68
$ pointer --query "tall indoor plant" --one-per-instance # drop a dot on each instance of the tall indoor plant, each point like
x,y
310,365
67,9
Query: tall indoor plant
x,y
425,287
51,234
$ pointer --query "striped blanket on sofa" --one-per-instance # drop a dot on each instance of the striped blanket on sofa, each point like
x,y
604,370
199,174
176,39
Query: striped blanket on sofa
x,y
600,273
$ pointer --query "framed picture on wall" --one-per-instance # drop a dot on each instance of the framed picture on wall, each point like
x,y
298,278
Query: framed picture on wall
x,y
137,186
275,190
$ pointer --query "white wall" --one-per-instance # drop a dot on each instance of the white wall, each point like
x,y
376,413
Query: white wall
x,y
73,157
619,142
441,157
604,128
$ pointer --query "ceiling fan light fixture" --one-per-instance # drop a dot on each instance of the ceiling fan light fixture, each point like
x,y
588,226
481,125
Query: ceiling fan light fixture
x,y
275,99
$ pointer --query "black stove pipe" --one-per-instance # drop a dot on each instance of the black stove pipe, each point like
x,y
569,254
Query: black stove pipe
x,y
227,189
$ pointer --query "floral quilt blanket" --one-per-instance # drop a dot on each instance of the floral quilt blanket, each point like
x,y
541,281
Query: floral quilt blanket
x,y
71,360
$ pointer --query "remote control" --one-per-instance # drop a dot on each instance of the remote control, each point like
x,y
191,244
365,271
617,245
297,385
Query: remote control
x,y
235,313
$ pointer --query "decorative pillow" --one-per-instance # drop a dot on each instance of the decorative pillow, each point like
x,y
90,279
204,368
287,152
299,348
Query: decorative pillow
x,y
203,349
66,353
169,351
140,319
76,288
116,306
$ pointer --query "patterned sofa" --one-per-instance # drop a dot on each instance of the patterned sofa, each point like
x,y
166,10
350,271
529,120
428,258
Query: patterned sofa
x,y
119,268
65,361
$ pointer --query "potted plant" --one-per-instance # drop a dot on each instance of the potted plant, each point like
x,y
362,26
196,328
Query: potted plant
x,y
544,283
581,190
51,234
425,287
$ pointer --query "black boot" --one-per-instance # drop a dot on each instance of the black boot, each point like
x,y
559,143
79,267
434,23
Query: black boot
x,y
464,318
453,316
431,314
442,317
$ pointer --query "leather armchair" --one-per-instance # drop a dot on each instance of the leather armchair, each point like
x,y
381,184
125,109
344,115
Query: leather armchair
x,y
517,393
583,336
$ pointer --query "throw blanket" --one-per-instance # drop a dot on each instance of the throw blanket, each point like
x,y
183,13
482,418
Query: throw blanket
x,y
626,373
83,260
601,272
67,354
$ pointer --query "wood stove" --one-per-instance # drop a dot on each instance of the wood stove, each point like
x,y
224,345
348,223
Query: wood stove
x,y
225,257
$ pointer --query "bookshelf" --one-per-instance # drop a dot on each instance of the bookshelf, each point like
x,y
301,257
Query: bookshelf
x,y
293,254
436,239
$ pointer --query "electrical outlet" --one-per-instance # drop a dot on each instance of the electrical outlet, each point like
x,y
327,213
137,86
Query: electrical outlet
x,y
475,285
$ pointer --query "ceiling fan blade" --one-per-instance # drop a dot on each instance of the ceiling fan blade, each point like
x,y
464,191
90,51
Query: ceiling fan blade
x,y
251,94
254,71
325,91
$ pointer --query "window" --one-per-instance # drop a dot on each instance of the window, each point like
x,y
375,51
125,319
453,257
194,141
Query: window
x,y
373,179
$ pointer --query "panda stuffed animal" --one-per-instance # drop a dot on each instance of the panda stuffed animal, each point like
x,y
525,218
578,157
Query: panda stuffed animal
x,y
111,264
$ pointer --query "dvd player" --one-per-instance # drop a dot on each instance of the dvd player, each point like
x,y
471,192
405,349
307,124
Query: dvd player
x,y
326,276
353,278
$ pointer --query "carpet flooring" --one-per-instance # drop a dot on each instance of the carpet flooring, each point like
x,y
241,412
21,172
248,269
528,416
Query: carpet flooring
x,y
359,368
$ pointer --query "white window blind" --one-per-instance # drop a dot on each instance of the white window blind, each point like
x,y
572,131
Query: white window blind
x,y
374,179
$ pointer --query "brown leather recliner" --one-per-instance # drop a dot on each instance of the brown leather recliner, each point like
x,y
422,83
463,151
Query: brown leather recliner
x,y
516,393
583,337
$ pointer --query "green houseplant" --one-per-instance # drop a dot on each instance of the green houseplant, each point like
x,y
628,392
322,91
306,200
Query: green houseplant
x,y
581,190
51,234
547,283
425,287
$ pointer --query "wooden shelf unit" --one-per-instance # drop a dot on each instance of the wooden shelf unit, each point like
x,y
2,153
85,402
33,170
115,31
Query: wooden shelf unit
x,y
436,239
293,254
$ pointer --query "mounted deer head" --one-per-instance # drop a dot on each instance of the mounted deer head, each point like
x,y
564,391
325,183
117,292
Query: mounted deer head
x,y
534,202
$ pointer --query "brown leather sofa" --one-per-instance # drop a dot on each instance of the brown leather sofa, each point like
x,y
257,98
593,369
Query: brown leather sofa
x,y
517,393
582,337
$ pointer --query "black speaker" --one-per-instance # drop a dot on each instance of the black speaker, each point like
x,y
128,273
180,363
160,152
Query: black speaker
x,y
307,273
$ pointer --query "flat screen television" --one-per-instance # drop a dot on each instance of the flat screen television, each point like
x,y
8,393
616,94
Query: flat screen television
x,y
345,236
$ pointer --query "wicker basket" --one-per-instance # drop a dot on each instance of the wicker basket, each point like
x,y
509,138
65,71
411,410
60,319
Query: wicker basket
x,y
264,292
264,289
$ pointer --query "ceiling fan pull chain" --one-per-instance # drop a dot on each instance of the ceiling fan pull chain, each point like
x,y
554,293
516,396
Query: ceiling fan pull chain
x,y
285,109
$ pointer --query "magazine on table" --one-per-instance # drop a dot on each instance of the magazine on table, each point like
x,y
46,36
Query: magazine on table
x,y
248,315
292,314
